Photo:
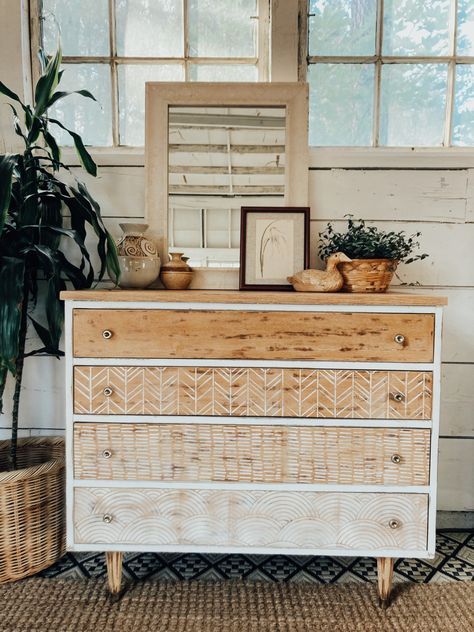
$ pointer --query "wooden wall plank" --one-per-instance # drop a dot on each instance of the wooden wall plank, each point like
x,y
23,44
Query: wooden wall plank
x,y
421,195
455,475
457,400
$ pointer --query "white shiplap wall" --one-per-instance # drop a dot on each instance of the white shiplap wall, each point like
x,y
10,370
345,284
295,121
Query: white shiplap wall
x,y
438,202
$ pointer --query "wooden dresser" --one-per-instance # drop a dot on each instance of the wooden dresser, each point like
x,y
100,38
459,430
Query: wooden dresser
x,y
256,422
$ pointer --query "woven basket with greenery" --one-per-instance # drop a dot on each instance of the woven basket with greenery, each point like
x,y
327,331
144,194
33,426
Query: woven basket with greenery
x,y
375,254
31,507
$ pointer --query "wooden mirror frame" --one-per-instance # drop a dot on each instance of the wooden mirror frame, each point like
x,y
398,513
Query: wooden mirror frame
x,y
160,96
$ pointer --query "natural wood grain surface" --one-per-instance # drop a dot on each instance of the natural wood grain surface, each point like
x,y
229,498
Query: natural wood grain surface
x,y
272,298
384,579
251,454
224,518
252,392
346,336
114,571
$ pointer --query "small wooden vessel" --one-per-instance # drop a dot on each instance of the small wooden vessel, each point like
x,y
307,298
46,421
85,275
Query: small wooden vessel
x,y
329,280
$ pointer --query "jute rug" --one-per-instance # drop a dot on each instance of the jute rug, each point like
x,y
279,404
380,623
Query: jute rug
x,y
45,605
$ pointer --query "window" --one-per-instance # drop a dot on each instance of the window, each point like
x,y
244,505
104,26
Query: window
x,y
391,72
112,47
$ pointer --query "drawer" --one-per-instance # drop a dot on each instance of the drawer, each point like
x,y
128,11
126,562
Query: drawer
x,y
221,518
251,454
164,333
252,392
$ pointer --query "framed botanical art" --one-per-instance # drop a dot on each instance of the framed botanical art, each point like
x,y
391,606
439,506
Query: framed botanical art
x,y
274,244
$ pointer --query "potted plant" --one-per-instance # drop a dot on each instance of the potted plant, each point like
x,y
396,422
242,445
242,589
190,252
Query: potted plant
x,y
43,225
374,254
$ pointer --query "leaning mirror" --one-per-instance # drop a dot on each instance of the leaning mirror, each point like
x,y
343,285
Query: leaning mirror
x,y
211,149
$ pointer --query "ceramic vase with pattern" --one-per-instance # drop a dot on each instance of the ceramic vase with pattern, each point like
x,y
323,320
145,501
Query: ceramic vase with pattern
x,y
138,257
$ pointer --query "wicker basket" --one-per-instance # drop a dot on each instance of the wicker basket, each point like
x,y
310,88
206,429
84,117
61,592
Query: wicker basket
x,y
32,533
367,275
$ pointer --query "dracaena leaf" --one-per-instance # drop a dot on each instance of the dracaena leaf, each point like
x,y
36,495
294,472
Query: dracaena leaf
x,y
47,83
12,272
84,156
7,164
60,95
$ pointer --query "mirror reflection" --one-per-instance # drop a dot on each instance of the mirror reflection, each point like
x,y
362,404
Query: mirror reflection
x,y
221,158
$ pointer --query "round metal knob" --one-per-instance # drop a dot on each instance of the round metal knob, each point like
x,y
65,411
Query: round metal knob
x,y
399,339
394,524
107,518
398,397
108,391
107,334
106,454
396,458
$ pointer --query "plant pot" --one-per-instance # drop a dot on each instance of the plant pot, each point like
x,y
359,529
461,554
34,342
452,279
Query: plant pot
x,y
32,530
367,275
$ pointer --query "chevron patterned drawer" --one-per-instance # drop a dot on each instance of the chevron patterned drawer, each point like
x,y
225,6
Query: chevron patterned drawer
x,y
252,392
251,454
250,519
264,335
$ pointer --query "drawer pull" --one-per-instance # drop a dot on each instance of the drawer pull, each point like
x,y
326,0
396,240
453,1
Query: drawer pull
x,y
394,524
399,339
108,391
107,518
106,454
398,397
107,334
396,458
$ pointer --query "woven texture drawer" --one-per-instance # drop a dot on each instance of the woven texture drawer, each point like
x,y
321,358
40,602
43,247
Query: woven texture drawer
x,y
253,454
249,392
162,333
221,518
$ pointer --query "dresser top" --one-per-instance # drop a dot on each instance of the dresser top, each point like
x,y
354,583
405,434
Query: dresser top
x,y
244,297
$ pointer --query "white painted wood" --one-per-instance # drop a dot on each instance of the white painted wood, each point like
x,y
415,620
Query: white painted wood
x,y
391,157
69,423
120,191
456,474
457,400
432,196
261,421
284,40
470,196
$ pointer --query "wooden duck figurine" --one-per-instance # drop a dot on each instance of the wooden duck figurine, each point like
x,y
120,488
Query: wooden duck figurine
x,y
329,280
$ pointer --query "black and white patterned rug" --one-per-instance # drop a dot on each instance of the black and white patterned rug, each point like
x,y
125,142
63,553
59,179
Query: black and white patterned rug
x,y
454,561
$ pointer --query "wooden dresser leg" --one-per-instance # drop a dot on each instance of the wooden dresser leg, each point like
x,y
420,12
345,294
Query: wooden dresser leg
x,y
114,572
384,577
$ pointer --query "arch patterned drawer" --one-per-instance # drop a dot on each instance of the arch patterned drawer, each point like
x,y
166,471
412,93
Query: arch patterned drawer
x,y
251,454
250,519
253,392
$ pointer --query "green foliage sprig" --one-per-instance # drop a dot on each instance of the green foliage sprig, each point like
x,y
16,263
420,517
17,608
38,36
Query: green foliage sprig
x,y
43,226
360,241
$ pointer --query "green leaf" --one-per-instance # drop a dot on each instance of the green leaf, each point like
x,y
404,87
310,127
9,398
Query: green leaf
x,y
47,83
12,272
9,93
7,164
53,145
3,381
84,156
60,95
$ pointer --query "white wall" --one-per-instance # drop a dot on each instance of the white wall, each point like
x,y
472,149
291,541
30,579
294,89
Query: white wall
x,y
437,201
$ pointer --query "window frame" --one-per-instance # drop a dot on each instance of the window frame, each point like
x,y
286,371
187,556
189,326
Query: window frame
x,y
113,60
379,155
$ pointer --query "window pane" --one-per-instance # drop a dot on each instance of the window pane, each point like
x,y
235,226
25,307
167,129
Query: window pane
x,y
93,121
222,72
82,26
465,27
463,115
222,29
342,27
413,102
416,27
341,104
149,29
131,85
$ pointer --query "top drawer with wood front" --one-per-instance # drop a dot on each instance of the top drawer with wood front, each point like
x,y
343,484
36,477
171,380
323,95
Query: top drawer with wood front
x,y
253,335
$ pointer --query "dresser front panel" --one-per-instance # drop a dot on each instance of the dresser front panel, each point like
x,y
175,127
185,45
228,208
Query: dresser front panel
x,y
251,454
221,518
252,392
255,335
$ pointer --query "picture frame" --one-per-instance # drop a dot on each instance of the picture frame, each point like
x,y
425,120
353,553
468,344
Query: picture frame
x,y
274,244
